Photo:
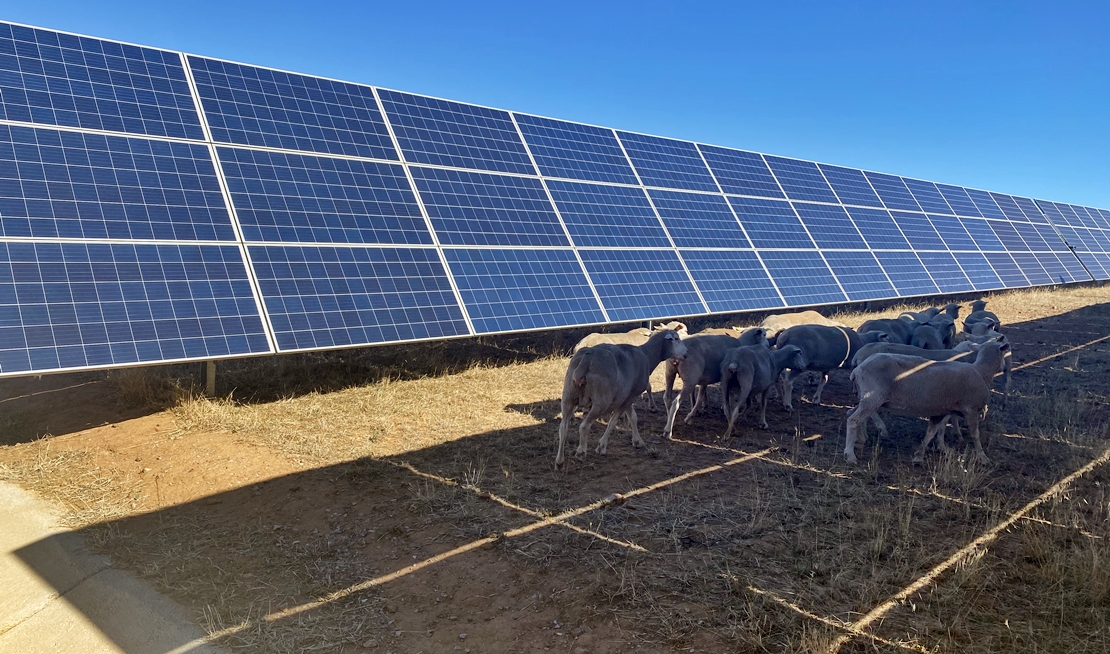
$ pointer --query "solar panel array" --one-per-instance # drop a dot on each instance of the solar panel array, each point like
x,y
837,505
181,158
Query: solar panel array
x,y
157,207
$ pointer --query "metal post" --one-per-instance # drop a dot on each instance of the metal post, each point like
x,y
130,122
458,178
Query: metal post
x,y
210,378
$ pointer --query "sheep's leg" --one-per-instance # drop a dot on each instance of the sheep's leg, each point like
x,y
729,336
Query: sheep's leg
x,y
564,424
584,430
703,398
650,398
788,377
763,408
935,425
603,444
700,395
672,411
857,422
881,426
820,387
636,440
972,420
668,389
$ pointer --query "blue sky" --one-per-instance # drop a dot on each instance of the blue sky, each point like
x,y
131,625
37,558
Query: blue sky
x,y
1005,96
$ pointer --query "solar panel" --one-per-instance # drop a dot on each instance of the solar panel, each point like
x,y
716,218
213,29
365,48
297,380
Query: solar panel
x,y
802,277
88,186
860,275
320,297
444,133
667,163
642,284
608,216
162,207
575,151
928,196
907,273
893,192
247,105
731,280
77,305
919,230
947,274
50,78
470,208
802,180
958,199
695,220
511,290
741,173
299,198
850,186
770,223
830,227
1007,270
878,229
953,233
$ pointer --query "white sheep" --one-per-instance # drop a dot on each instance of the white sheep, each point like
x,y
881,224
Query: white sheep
x,y
605,380
922,388
752,371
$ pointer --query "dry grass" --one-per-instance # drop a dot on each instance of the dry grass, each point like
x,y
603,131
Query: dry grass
x,y
766,557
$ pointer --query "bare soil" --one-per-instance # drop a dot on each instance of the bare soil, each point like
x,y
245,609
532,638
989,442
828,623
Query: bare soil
x,y
286,515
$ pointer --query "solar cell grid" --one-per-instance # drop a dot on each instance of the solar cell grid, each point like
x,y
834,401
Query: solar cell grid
x,y
985,203
1031,236
57,184
1091,264
695,220
306,199
878,229
1030,209
247,105
1009,207
944,270
982,233
469,208
510,290
1008,235
958,200
1054,268
829,226
1007,270
607,216
326,296
444,133
575,151
667,163
76,305
850,185
58,79
1074,267
731,280
893,192
771,223
979,271
1032,269
906,273
740,172
641,284
927,196
860,275
802,277
952,231
919,230
801,180
1052,238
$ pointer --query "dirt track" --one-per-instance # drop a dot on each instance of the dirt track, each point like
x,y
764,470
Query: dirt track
x,y
732,557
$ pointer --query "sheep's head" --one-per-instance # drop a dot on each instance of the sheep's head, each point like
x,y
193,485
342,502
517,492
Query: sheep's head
x,y
673,347
796,360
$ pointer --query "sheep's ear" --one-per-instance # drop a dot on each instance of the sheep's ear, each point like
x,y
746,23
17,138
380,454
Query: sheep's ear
x,y
1005,347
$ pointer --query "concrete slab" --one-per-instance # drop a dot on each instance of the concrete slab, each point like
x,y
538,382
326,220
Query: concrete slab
x,y
57,596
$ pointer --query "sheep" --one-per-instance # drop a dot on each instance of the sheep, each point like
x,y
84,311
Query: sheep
x,y
900,331
605,380
964,352
776,323
946,327
753,370
926,338
825,349
919,316
980,314
918,387
737,332
700,368
637,336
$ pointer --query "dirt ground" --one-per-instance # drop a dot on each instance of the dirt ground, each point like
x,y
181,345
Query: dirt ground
x,y
404,500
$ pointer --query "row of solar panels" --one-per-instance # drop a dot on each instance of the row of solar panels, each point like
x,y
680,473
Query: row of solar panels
x,y
296,213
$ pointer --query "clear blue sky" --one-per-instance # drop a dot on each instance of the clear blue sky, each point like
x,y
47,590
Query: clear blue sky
x,y
1005,96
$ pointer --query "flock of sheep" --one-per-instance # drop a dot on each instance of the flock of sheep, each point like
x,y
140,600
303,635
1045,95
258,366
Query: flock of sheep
x,y
916,365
